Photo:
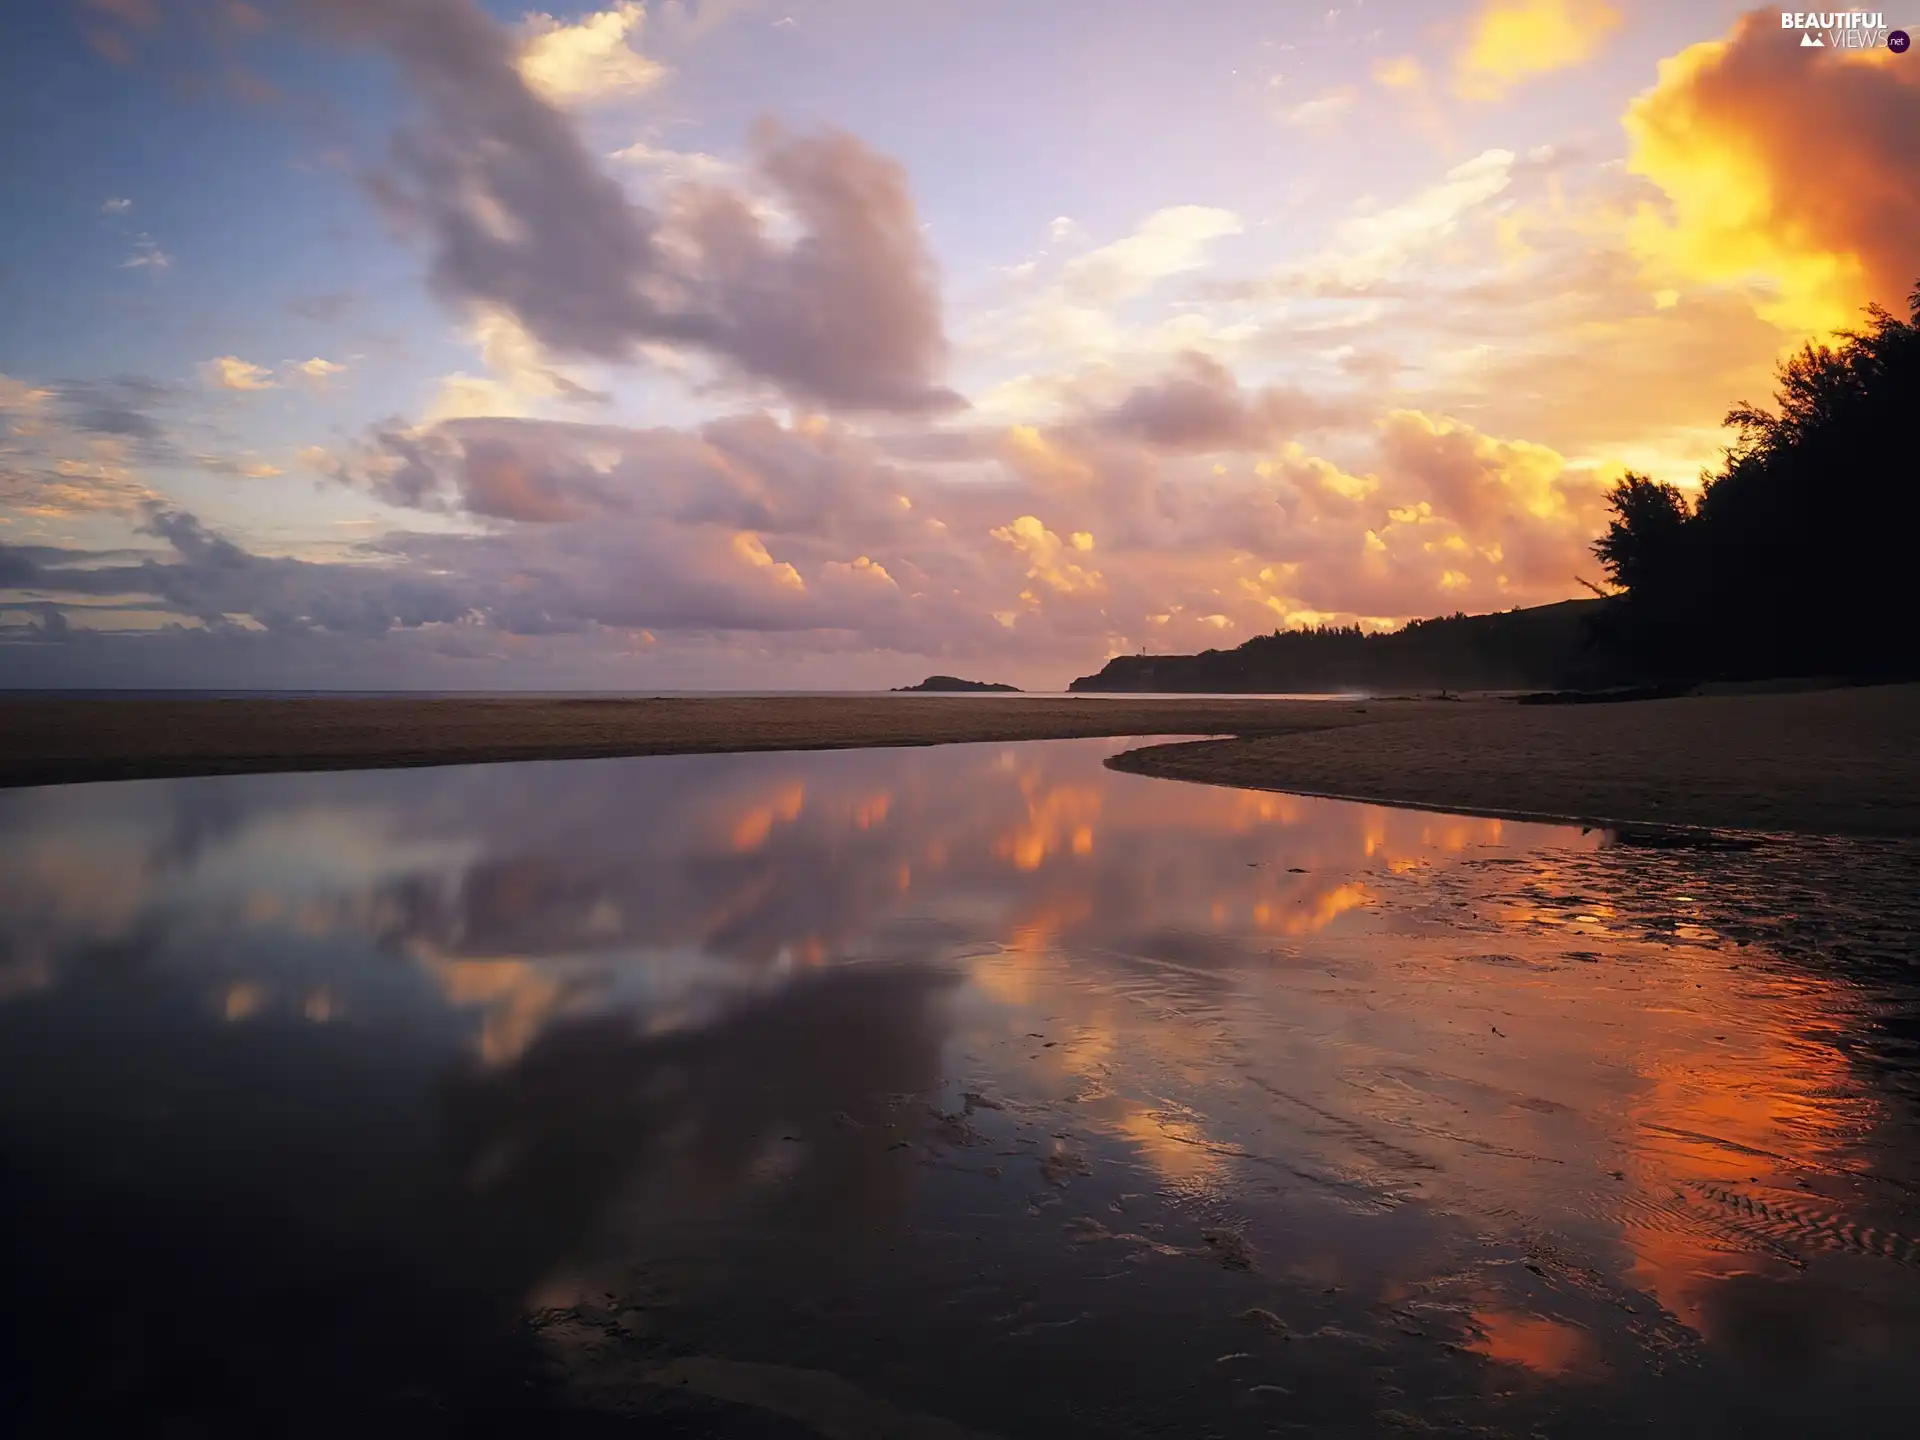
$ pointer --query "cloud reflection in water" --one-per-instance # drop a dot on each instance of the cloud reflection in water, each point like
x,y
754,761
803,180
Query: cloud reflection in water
x,y
1480,1100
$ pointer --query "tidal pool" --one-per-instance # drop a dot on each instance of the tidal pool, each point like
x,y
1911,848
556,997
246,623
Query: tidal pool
x,y
976,1090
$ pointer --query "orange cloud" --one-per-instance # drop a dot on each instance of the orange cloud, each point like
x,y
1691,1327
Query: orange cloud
x,y
1784,167
1516,40
1046,554
1400,72
230,372
592,59
752,549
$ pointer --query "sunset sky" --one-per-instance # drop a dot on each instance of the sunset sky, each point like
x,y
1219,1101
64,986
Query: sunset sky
x,y
829,343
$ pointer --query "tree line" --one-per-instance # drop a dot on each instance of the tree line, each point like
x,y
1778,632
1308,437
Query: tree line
x,y
1798,556
1515,649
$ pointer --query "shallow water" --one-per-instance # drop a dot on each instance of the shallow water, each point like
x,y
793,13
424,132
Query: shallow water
x,y
975,1089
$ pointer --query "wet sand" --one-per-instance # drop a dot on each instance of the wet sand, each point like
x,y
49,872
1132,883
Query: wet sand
x,y
1839,762
1836,761
52,741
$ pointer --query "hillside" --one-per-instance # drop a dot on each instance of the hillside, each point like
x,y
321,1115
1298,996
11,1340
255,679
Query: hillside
x,y
1543,647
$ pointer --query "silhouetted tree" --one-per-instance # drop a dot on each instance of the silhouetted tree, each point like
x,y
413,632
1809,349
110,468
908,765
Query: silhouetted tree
x,y
1648,532
1795,558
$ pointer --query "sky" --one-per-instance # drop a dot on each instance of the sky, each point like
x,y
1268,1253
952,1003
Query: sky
x,y
812,344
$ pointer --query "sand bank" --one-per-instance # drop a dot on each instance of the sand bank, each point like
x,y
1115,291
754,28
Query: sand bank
x,y
50,741
1843,761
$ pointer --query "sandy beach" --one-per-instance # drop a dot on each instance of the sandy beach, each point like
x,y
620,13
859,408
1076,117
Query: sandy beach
x,y
1838,761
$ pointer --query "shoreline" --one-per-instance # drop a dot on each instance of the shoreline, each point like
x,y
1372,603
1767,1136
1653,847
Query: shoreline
x,y
1820,762
1839,761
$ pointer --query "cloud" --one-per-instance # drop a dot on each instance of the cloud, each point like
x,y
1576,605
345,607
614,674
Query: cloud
x,y
1092,308
851,313
121,409
524,221
243,467
1371,246
520,375
676,165
1048,556
69,448
498,484
315,371
68,488
1200,406
803,540
115,206
147,255
18,398
1321,110
462,397
1517,40
1399,72
1784,167
1391,234
591,59
230,372
1168,242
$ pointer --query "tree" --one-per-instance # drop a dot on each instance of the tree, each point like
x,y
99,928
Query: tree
x,y
1796,558
1645,540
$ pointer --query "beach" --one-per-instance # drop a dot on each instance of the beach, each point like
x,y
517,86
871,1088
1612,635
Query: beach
x,y
1837,761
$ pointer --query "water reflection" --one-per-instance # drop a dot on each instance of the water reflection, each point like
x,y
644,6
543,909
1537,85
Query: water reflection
x,y
1000,1086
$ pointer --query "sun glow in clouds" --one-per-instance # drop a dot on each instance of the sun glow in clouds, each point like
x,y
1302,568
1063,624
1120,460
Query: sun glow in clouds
x,y
802,404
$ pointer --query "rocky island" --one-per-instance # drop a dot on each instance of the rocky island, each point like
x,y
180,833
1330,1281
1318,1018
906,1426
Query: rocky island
x,y
950,683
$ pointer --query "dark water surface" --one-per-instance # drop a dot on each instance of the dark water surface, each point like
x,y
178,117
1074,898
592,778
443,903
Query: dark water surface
x,y
973,1090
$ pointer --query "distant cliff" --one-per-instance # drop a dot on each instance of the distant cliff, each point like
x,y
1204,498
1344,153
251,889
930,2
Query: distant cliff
x,y
951,682
1544,647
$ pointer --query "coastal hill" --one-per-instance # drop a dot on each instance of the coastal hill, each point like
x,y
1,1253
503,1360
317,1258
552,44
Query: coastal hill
x,y
1543,647
950,683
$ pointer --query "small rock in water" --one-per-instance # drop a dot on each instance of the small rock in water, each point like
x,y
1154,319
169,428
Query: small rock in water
x,y
1063,1165
1265,1319
1230,1246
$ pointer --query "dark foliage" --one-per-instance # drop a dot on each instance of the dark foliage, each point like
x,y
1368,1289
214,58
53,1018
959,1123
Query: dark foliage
x,y
1518,649
1793,560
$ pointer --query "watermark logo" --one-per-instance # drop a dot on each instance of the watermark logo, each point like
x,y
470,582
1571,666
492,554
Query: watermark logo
x,y
1843,30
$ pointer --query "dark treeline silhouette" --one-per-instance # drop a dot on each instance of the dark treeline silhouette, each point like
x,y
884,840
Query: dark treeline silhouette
x,y
1518,649
1796,558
